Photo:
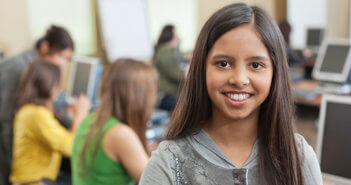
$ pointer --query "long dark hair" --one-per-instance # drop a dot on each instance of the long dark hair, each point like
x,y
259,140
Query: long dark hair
x,y
166,35
279,159
58,39
128,92
37,83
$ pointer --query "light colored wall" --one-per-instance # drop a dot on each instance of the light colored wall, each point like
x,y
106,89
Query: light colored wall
x,y
14,31
304,14
181,13
23,21
207,7
76,16
333,16
338,18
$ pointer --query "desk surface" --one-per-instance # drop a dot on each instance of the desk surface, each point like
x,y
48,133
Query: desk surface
x,y
307,86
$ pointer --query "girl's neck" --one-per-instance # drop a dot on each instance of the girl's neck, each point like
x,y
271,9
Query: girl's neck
x,y
233,132
49,104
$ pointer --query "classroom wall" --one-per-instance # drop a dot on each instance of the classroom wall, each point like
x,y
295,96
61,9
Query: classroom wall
x,y
281,8
181,13
77,16
332,15
207,7
338,18
23,21
304,14
14,28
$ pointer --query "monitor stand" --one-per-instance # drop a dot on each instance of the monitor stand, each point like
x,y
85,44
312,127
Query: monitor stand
x,y
334,88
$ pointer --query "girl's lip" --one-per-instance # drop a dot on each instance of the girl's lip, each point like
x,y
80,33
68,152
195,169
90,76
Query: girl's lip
x,y
237,103
236,92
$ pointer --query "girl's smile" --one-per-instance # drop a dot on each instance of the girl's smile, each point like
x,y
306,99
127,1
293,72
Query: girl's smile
x,y
236,98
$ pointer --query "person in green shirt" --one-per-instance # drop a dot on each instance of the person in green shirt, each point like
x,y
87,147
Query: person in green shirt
x,y
110,146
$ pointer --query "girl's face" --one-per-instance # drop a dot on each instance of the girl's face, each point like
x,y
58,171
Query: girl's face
x,y
238,74
59,58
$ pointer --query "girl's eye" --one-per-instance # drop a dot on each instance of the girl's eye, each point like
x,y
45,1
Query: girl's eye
x,y
256,65
223,64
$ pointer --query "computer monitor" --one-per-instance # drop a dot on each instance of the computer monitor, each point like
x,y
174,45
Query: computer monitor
x,y
314,37
334,142
84,77
333,61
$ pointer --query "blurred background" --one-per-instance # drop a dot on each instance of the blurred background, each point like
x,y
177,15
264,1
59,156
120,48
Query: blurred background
x,y
104,30
24,21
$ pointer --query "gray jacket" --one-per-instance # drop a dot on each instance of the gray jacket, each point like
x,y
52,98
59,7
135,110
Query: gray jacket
x,y
197,160
10,73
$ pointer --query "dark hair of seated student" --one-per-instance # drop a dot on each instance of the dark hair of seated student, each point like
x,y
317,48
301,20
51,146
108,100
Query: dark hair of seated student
x,y
37,84
166,35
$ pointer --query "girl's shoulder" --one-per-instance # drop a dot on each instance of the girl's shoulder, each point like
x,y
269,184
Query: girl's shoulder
x,y
306,152
309,162
35,112
177,162
161,168
171,147
170,151
304,149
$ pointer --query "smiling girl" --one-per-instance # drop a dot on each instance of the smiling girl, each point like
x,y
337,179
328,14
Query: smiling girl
x,y
233,123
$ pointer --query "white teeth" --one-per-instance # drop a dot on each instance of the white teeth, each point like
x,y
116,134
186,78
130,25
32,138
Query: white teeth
x,y
238,97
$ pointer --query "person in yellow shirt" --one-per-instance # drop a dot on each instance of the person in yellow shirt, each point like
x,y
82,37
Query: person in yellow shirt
x,y
39,139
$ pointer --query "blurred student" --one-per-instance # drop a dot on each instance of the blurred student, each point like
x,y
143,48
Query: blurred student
x,y
39,139
168,61
110,146
293,57
56,46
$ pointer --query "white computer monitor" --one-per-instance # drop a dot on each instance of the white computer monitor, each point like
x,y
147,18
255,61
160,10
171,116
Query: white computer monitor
x,y
334,138
84,77
314,37
333,61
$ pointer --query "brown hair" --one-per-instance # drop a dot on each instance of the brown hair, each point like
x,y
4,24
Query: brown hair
x,y
58,39
37,83
279,159
166,35
128,92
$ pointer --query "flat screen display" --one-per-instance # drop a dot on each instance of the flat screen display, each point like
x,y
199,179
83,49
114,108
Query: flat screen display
x,y
336,142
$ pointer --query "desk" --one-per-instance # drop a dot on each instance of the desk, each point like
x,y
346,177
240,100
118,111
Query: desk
x,y
304,93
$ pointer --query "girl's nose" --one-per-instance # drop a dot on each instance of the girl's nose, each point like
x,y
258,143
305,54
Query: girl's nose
x,y
239,77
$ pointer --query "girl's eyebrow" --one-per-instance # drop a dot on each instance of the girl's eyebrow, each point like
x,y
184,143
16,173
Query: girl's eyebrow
x,y
258,58
223,56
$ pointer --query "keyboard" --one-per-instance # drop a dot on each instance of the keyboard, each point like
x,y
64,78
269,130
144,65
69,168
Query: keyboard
x,y
332,88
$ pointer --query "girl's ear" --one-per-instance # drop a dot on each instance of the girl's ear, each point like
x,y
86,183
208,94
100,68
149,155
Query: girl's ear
x,y
44,48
